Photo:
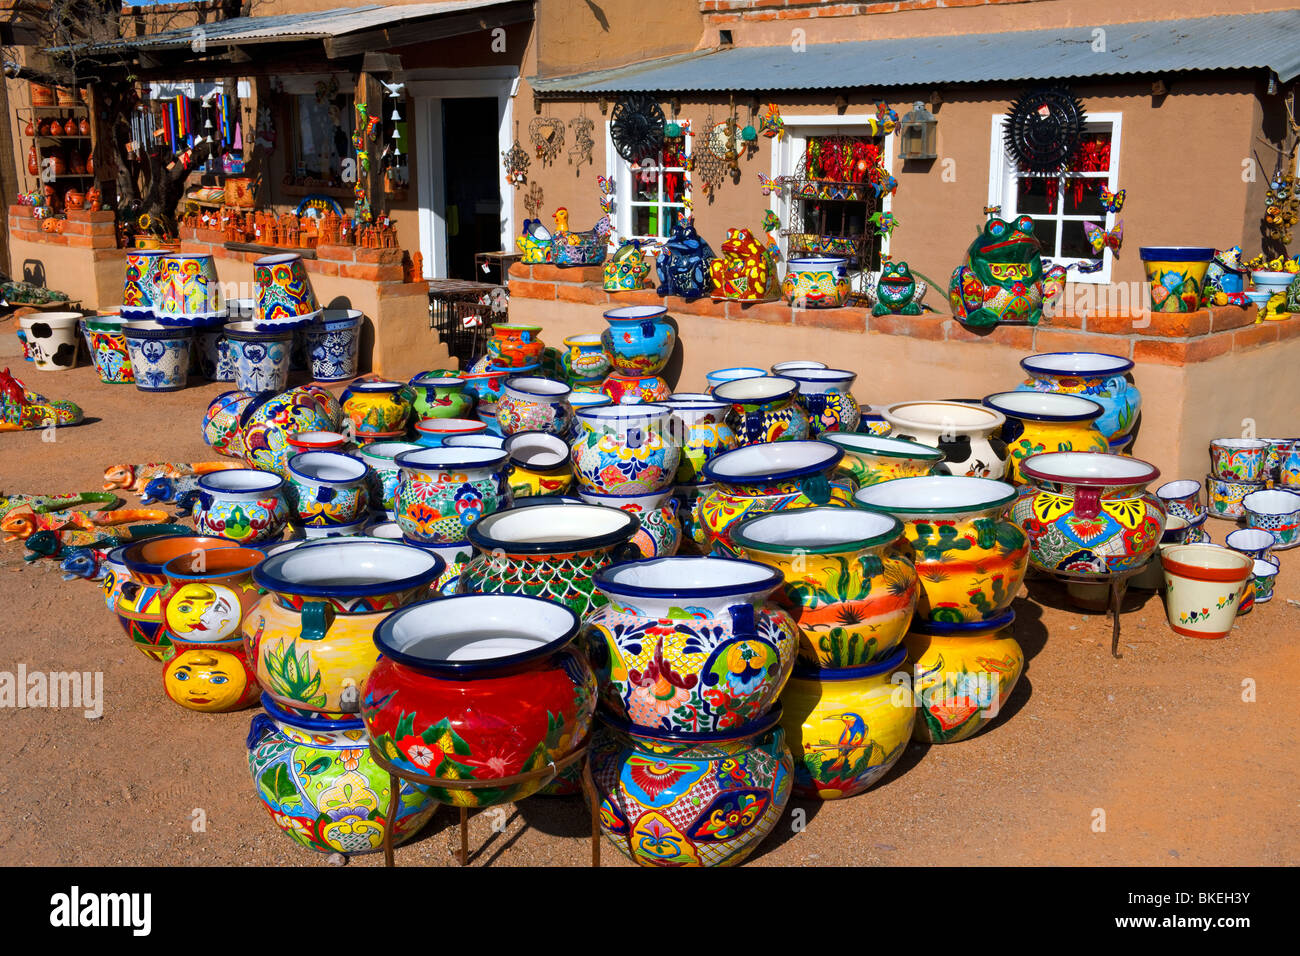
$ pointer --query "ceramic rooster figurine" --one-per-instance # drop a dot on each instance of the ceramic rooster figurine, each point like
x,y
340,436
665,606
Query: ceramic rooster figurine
x,y
579,248
745,271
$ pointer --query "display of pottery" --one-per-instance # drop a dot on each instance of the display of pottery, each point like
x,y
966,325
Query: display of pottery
x,y
267,421
966,433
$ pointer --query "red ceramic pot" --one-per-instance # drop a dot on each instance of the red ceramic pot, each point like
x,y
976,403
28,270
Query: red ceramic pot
x,y
479,687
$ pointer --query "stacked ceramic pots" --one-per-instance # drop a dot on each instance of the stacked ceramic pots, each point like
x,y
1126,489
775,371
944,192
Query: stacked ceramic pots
x,y
1238,467
638,343
689,758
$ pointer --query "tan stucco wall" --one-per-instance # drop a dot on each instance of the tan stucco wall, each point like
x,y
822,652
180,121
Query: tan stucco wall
x,y
576,35
92,277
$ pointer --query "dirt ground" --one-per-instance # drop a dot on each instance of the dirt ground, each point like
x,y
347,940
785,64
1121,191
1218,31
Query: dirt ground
x,y
1185,770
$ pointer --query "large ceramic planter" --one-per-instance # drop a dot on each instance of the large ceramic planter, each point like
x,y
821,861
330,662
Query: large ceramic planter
x,y
1092,375
690,799
108,349
869,460
261,358
333,342
310,636
816,282
1089,515
160,355
206,668
1276,511
624,450
584,360
1039,422
549,550
698,423
283,296
639,341
540,464
242,504
846,581
1176,276
327,489
971,560
382,473
534,404
757,479
140,285
847,727
267,422
1204,585
188,292
690,645
826,397
479,687
441,492
763,409
140,604
661,531
342,805
965,433
962,675
379,410
515,346
440,396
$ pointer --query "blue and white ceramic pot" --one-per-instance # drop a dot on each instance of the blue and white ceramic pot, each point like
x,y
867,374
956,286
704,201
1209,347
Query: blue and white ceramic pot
x,y
1276,511
1093,375
625,449
442,491
160,355
242,504
215,361
826,395
639,341
333,342
261,359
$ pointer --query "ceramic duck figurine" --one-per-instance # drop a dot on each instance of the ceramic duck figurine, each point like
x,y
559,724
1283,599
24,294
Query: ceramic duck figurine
x,y
1002,278
746,270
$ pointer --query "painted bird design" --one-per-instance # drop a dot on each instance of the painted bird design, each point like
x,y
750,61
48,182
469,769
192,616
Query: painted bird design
x,y
851,738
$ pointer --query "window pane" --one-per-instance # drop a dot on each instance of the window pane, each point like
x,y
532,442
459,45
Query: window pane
x,y
1035,196
641,216
324,135
1074,243
1083,197
1045,230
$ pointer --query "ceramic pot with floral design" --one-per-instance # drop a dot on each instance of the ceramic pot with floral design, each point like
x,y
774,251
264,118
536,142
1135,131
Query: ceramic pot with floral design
x,y
625,449
1039,422
585,360
635,390
690,645
846,580
698,422
763,409
1204,585
242,504
327,489
1239,459
268,421
966,434
661,531
1226,497
869,460
825,394
1182,497
534,404
639,340
382,472
379,410
160,355
1276,511
1092,375
221,423
442,491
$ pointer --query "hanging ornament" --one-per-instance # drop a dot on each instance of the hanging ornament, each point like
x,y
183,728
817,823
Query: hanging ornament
x,y
1043,129
637,127
516,162
707,164
583,144
770,124
547,134
533,200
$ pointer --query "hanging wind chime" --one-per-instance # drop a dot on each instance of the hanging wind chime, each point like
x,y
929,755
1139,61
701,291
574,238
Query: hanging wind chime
x,y
516,162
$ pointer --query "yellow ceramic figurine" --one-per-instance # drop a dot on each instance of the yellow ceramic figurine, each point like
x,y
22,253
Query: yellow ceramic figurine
x,y
206,680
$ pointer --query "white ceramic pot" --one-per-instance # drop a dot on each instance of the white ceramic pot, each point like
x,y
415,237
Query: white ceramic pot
x,y
1254,543
1204,584
51,339
965,433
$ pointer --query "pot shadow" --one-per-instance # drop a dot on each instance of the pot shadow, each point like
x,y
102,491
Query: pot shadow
x,y
1049,592
556,816
1028,628
1020,695
672,372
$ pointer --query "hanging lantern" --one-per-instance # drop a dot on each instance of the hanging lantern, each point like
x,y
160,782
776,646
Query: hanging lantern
x,y
918,134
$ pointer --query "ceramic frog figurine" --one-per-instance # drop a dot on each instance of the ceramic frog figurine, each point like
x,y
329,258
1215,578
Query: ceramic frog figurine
x,y
1002,278
896,291
746,270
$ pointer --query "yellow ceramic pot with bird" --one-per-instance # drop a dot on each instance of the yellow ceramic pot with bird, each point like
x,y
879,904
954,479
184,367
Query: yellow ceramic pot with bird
x,y
962,675
847,728
1039,422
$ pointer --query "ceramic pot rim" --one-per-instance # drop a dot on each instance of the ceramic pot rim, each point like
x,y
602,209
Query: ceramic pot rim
x,y
277,258
1279,495
604,580
1041,471
694,401
776,388
298,440
248,332
136,564
713,465
583,338
218,482
379,387
739,531
437,381
516,327
995,418
481,439
893,662
794,365
758,372
818,376
1265,569
559,447
1241,444
445,459
450,426
267,574
482,667
538,389
1089,410
871,445
480,532
635,313
663,494
797,260
985,504
368,450
962,628
60,320
1116,365
242,559
763,725
1272,539
1175,253
281,715
152,330
1195,489
1225,575
650,411
297,464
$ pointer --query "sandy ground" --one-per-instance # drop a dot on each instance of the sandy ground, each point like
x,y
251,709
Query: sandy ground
x,y
1185,770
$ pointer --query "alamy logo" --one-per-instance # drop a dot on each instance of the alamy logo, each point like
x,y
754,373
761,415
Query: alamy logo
x,y
84,689
76,909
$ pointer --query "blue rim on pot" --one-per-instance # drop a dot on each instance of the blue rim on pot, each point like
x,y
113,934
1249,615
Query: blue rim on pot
x,y
315,725
958,628
636,313
732,467
756,389
1033,406
602,413
761,578
356,558
819,376
435,618
720,376
843,538
624,527
694,401
241,481
481,440
754,728
1175,253
353,469
155,330
1076,364
943,494
544,443
426,459
891,663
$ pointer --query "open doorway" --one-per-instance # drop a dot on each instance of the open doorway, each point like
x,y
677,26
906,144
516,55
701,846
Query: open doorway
x,y
472,197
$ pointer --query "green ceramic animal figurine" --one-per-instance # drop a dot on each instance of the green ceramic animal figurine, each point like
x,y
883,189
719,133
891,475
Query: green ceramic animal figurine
x,y
1002,278
896,291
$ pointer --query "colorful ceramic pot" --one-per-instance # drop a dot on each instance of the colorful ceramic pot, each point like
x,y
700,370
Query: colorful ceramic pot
x,y
816,282
1239,459
1182,497
540,464
585,360
965,433
869,460
283,296
320,441
477,440
660,533
825,395
757,479
442,491
160,355
115,575
188,292
847,727
721,375
635,391
688,496
515,346
627,268
382,475
333,341
310,635
1089,515
847,582
1277,512
690,799
139,607
1176,276
440,396
1255,543
962,675
1204,584
343,804
480,687
327,489
456,554
873,422
140,288
434,432
379,410
242,504
209,592
698,424
625,450
1265,573
267,422
108,349
261,358
1092,375
549,550
1226,497
971,560
763,409
534,404
1279,449
485,388
639,341
1289,469
580,400
1039,422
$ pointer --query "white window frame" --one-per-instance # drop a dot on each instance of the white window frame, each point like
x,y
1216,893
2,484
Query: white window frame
x,y
1003,192
620,170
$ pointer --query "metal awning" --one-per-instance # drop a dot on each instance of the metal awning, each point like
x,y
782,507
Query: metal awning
x,y
1234,42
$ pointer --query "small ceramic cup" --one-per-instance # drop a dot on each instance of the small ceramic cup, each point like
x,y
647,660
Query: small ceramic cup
x,y
327,489
1225,497
1265,577
1238,459
1254,543
1277,512
381,478
1182,497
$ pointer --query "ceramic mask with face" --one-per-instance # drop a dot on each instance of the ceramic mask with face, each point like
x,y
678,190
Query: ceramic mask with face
x,y
209,681
202,612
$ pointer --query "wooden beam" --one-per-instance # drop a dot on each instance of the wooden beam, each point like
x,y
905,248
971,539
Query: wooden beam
x,y
425,31
381,63
370,93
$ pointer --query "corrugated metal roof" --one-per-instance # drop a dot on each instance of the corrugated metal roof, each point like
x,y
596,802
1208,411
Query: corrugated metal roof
x,y
311,25
1239,41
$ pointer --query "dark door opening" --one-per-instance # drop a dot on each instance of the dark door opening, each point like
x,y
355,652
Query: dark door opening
x,y
473,200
